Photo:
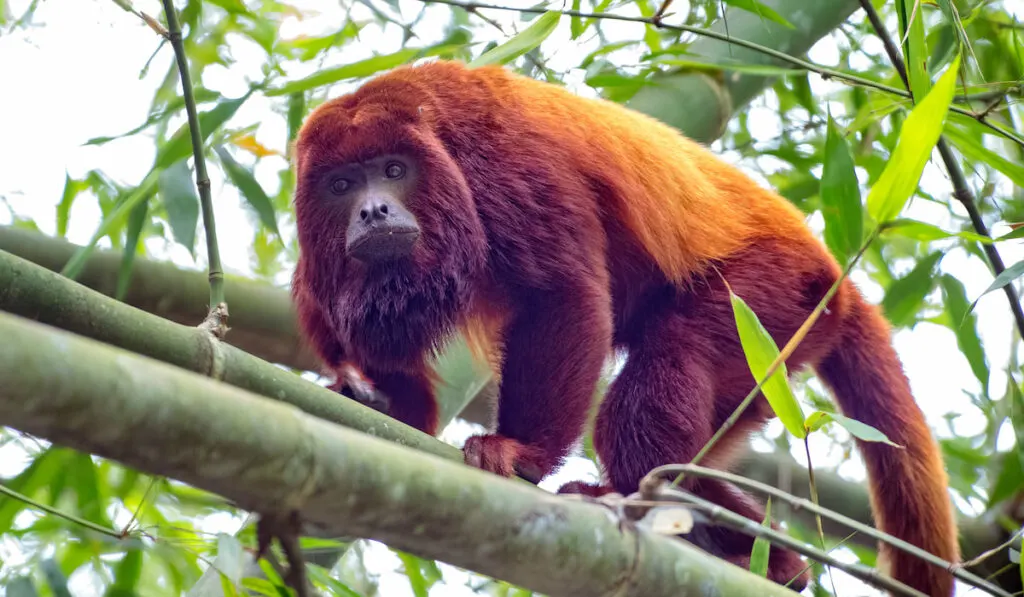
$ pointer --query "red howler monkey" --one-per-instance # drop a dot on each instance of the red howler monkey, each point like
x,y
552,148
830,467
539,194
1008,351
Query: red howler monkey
x,y
551,229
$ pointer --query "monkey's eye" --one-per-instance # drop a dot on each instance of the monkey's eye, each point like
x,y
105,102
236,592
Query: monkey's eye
x,y
339,186
394,170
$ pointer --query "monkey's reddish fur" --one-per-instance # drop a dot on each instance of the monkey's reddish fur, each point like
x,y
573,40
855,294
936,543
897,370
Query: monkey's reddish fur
x,y
556,228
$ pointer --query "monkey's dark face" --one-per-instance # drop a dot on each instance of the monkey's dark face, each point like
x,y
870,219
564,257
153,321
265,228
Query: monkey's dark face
x,y
373,195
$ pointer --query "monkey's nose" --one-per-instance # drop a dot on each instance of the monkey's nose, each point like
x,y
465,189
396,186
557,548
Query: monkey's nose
x,y
374,211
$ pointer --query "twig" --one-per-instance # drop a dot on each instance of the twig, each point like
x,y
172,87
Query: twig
x,y
10,493
987,554
798,503
960,188
826,73
749,527
216,320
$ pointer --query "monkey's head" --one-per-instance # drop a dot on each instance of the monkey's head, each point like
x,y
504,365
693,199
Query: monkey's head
x,y
385,217
372,195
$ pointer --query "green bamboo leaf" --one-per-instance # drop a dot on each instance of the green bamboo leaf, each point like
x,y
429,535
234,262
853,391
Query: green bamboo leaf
x,y
413,572
915,51
759,553
242,178
923,231
356,70
1018,233
904,297
861,431
920,132
179,146
225,573
116,216
136,220
840,197
973,149
576,23
72,188
232,6
760,9
39,473
296,112
761,350
126,574
338,588
526,40
1009,275
174,106
765,70
964,325
178,193
55,578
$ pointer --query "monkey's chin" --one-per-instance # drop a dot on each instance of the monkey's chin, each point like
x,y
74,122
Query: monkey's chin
x,y
382,245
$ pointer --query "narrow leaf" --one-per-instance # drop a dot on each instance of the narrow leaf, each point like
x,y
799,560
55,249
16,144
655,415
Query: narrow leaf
x,y
760,9
136,220
840,197
242,178
861,431
964,325
1009,275
923,231
179,145
723,64
761,350
920,132
126,574
356,70
178,193
55,578
296,112
903,298
72,188
116,216
915,51
759,553
973,149
526,40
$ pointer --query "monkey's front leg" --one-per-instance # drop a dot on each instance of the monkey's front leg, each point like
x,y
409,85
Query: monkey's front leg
x,y
554,352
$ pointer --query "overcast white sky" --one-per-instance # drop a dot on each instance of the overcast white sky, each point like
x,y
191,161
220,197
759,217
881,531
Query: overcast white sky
x,y
76,76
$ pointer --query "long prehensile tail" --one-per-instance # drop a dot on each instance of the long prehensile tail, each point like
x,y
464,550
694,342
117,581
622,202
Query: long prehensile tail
x,y
908,486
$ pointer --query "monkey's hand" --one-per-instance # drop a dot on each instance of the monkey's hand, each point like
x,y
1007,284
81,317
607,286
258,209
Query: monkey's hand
x,y
506,457
286,528
352,383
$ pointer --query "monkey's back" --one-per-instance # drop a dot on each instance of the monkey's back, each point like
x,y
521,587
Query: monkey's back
x,y
684,205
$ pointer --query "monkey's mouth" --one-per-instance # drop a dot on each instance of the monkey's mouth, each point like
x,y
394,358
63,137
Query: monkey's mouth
x,y
383,243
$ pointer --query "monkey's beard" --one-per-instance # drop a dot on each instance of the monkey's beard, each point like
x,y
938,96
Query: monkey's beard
x,y
394,315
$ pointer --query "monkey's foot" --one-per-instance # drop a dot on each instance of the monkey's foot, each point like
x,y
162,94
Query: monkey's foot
x,y
355,385
504,456
286,528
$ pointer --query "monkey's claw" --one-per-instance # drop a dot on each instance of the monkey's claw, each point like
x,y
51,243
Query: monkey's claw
x,y
286,528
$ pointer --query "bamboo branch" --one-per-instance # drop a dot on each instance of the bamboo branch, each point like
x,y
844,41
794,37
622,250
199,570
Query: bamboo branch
x,y
961,190
31,291
262,316
267,456
216,319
